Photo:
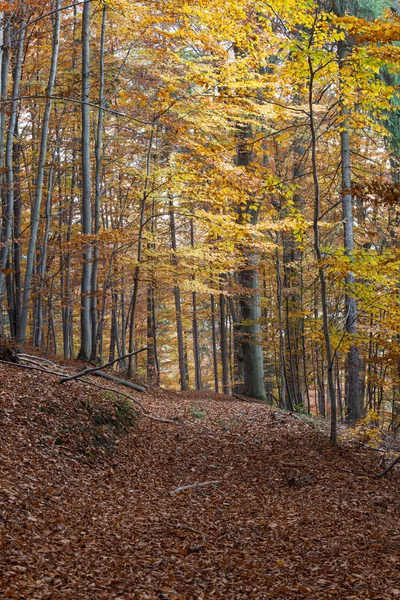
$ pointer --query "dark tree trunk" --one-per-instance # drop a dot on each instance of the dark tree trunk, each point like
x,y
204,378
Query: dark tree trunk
x,y
178,311
214,343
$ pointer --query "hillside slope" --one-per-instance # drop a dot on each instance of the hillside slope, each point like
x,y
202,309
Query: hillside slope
x,y
86,510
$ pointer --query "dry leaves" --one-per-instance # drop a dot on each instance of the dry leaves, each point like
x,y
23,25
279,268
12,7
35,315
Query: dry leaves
x,y
85,510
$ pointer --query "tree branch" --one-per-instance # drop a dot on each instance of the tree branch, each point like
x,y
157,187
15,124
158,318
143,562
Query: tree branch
x,y
93,369
392,464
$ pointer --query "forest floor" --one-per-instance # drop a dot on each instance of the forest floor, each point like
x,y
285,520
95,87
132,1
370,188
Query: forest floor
x,y
86,510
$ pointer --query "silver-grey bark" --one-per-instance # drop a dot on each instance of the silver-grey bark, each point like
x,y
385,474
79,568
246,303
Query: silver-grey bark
x,y
86,338
98,191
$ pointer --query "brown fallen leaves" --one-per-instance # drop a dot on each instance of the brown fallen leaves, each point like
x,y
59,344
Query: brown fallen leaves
x,y
85,509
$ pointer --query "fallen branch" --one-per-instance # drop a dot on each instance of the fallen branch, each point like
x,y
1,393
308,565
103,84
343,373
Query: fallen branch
x,y
356,473
29,360
187,528
161,419
94,369
124,382
193,486
38,358
388,468
31,367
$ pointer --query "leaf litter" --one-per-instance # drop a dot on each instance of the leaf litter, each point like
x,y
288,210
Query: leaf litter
x,y
86,510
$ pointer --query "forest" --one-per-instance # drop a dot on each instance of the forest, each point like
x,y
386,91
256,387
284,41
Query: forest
x,y
216,183
200,206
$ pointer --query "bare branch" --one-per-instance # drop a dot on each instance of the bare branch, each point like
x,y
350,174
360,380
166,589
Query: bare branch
x,y
94,369
388,468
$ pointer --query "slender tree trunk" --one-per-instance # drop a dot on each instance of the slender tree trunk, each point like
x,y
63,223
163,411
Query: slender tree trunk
x,y
318,252
139,255
285,398
67,309
38,332
151,359
226,388
4,72
16,248
153,366
123,321
303,342
235,354
8,207
195,326
85,351
40,176
354,395
178,309
98,155
214,343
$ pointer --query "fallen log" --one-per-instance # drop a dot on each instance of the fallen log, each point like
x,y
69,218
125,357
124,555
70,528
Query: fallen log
x,y
128,384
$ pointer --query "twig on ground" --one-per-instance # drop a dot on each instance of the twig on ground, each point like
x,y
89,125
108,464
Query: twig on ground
x,y
187,528
94,369
161,419
356,474
193,486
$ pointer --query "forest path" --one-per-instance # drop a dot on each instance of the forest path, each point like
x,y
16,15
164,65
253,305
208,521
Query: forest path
x,y
286,522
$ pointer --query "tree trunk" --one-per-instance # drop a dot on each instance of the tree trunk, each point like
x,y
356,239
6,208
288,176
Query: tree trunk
x,y
139,256
85,351
16,249
250,298
178,311
253,361
318,252
195,326
8,207
354,395
40,177
214,344
4,72
98,149
226,388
